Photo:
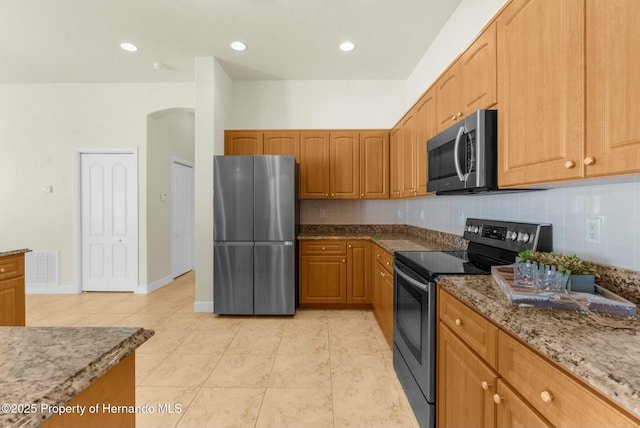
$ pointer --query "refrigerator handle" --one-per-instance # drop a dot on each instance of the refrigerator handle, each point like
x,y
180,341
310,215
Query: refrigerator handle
x,y
264,243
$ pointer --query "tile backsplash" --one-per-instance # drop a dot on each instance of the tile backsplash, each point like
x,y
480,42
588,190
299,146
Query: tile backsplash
x,y
616,207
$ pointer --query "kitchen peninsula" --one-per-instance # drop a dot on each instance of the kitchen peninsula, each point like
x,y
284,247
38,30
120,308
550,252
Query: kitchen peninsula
x,y
43,369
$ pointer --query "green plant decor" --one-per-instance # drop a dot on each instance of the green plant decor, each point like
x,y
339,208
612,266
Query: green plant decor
x,y
573,264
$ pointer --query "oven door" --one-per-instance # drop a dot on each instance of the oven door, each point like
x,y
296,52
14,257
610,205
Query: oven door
x,y
414,327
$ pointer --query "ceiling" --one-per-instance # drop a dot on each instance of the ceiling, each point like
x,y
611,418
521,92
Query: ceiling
x,y
77,41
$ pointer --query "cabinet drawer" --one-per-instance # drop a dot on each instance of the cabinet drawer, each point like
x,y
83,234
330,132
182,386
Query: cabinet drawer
x,y
323,247
475,330
552,392
384,258
11,267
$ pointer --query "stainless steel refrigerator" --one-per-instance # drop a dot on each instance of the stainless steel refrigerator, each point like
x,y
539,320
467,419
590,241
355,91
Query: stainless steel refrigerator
x,y
255,211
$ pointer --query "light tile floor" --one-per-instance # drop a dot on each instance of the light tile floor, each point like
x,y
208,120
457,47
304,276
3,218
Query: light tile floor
x,y
317,369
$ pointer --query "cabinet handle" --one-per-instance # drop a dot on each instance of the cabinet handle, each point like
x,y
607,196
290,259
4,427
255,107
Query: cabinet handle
x,y
1,270
589,160
343,260
323,248
486,385
569,164
497,399
459,114
326,195
458,322
546,396
453,117
362,195
387,263
349,245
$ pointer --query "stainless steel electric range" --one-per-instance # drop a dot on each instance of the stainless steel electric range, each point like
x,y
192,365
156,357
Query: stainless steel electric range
x,y
416,274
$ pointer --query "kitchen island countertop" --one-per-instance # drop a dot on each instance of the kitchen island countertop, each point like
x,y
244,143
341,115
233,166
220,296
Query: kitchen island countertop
x,y
51,365
602,351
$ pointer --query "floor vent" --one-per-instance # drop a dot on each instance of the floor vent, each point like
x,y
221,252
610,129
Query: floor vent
x,y
41,268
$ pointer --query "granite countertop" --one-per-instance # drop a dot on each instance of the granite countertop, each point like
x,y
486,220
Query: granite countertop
x,y
51,365
602,351
12,252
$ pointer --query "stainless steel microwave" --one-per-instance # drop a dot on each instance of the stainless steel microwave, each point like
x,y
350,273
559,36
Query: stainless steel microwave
x,y
464,157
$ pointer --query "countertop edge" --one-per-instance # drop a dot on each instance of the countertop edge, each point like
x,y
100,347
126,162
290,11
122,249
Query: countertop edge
x,y
77,383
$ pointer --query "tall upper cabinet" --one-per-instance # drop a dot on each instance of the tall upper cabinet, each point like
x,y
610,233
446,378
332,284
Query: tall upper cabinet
x,y
613,87
470,82
541,91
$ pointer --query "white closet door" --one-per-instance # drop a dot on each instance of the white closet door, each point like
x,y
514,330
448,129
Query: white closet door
x,y
183,245
109,195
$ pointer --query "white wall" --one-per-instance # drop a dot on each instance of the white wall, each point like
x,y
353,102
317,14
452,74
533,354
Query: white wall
x,y
170,133
310,104
459,32
213,106
40,126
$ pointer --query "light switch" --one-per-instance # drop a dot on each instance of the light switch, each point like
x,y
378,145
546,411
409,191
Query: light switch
x,y
47,189
164,197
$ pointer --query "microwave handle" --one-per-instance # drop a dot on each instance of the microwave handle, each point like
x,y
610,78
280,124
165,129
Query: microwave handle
x,y
456,146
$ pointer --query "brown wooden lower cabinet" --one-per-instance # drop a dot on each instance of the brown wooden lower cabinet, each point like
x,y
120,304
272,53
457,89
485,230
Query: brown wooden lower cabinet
x,y
114,388
527,388
12,312
383,291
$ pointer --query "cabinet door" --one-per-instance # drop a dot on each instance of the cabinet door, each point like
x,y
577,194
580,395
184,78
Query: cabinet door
x,y
478,71
425,129
243,143
344,160
513,412
374,165
395,165
314,165
613,85
282,143
387,305
463,378
359,272
540,91
408,141
323,279
448,108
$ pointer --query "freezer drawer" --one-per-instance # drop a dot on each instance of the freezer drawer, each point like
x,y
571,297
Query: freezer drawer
x,y
274,280
233,279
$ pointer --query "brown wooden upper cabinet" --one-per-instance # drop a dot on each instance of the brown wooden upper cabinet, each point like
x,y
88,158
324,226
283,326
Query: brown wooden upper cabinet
x,y
374,165
243,143
540,91
469,83
613,85
408,160
395,165
330,165
282,143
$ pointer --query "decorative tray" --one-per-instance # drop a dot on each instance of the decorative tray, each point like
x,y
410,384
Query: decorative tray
x,y
602,301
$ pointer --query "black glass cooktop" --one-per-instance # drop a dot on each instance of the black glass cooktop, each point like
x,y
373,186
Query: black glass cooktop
x,y
433,263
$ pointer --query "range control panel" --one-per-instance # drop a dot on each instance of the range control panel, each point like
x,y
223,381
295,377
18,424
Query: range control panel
x,y
512,236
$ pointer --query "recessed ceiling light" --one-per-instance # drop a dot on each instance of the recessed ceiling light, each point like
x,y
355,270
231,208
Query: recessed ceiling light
x,y
129,47
347,46
238,46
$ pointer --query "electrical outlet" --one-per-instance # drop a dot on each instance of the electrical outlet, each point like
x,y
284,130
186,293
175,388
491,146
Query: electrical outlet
x,y
593,229
323,213
400,213
460,218
421,214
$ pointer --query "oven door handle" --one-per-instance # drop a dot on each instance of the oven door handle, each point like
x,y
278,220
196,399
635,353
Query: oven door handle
x,y
409,279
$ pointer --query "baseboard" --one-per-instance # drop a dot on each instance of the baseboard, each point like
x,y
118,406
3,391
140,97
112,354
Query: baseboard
x,y
155,285
203,306
50,289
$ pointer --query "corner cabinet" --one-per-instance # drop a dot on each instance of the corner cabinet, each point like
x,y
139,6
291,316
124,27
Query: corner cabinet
x,y
540,91
503,382
12,300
